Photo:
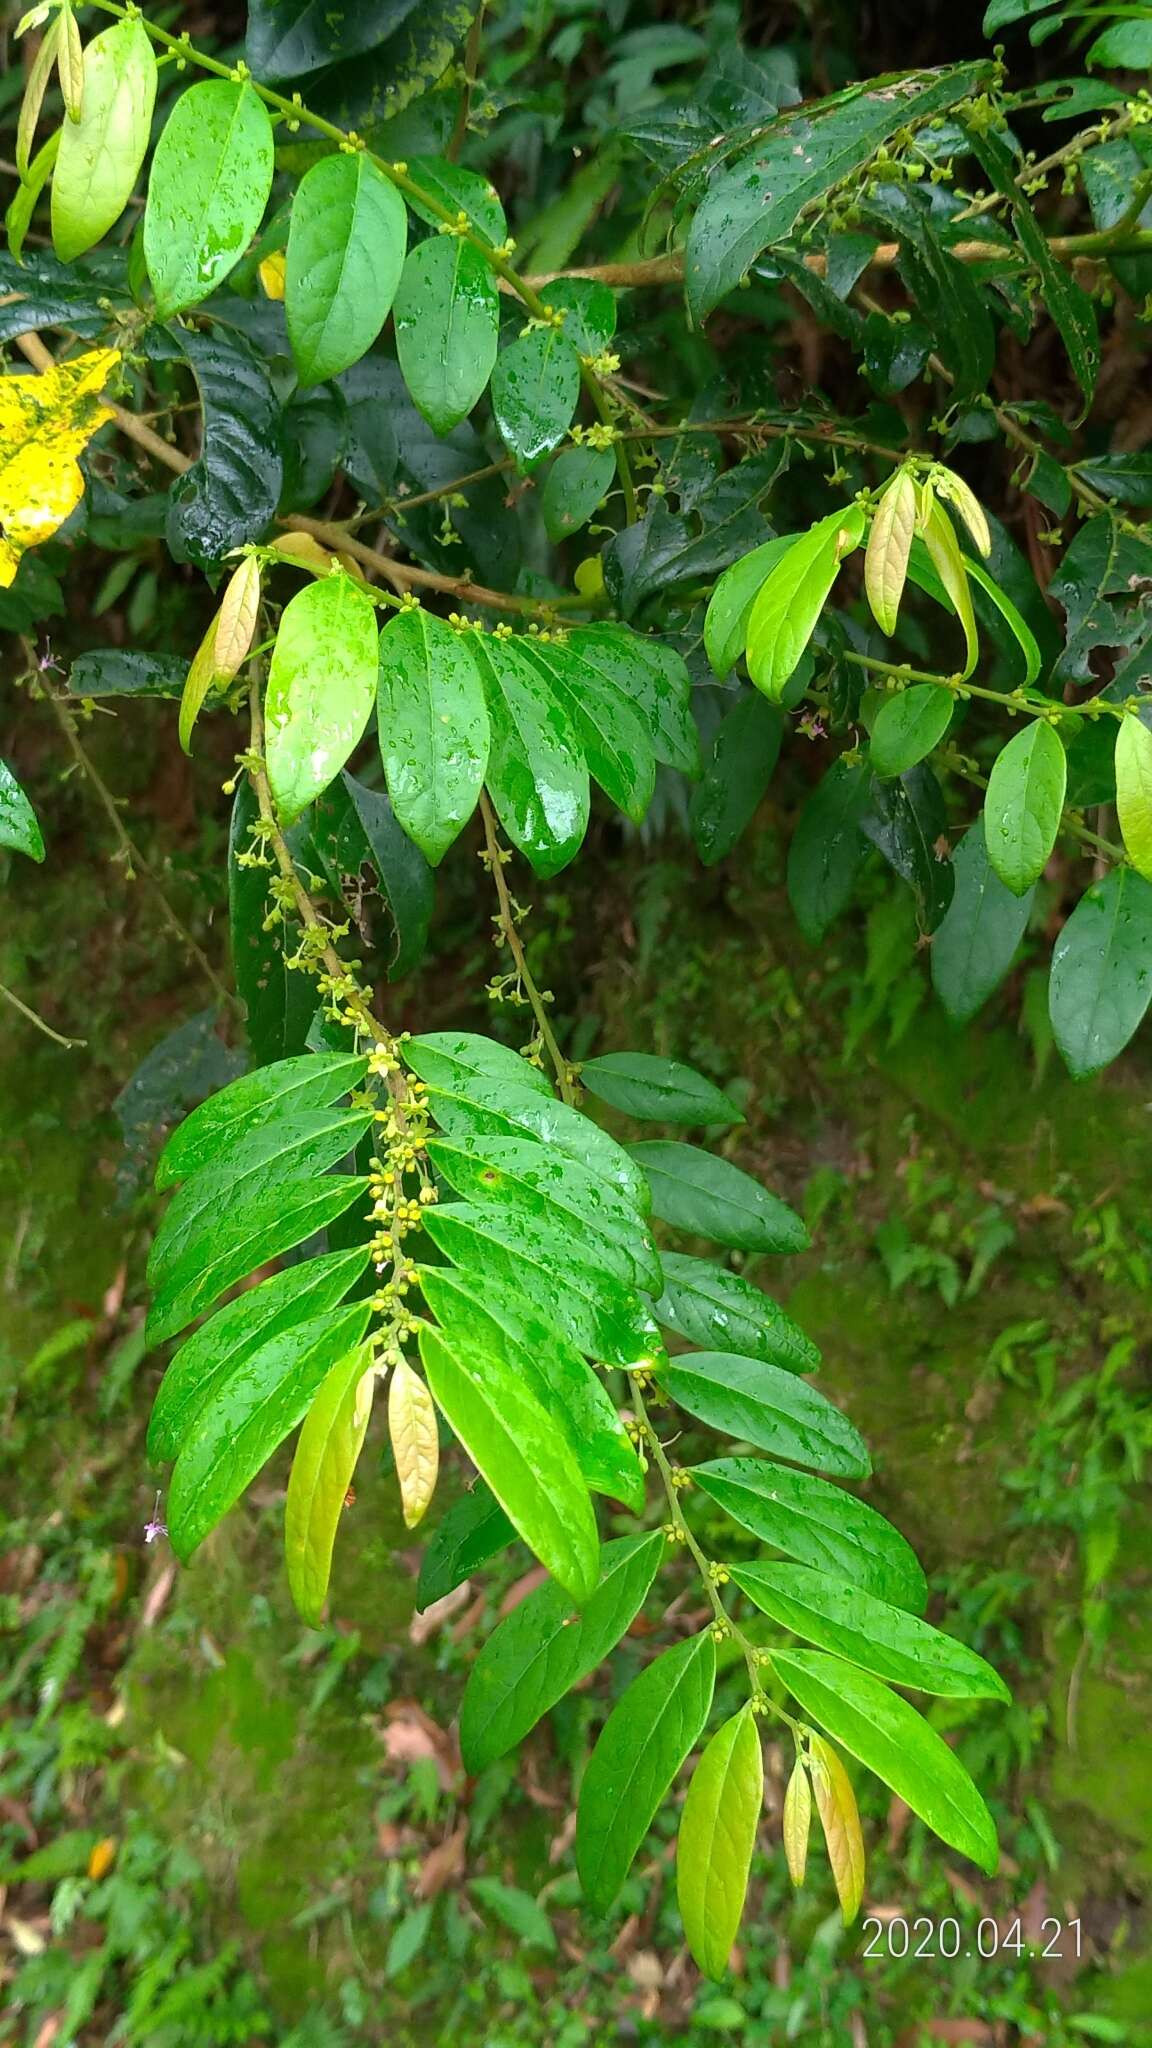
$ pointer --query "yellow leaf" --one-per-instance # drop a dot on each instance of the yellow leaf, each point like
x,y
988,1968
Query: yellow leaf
x,y
415,1442
889,545
202,677
840,1820
45,422
102,1856
272,274
304,550
70,64
236,619
797,1822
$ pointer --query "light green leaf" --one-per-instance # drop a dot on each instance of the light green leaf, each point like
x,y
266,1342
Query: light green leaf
x,y
1015,621
784,615
819,1524
211,176
1024,804
577,484
537,775
887,1735
939,537
472,1107
443,1058
519,1912
540,1651
709,1197
1101,981
1134,791
714,1308
19,826
345,253
519,1175
759,1404
327,1452
976,943
447,316
458,191
535,388
434,733
889,545
717,1837
321,688
642,1745
521,1453
310,1082
908,726
730,605
657,1090
867,1631
100,154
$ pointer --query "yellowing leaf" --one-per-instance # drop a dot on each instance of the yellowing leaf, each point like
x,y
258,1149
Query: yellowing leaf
x,y
70,63
304,549
102,1856
415,1443
272,273
944,549
957,492
840,1820
236,619
34,92
717,1837
797,1823
202,677
45,422
1134,791
327,1449
889,543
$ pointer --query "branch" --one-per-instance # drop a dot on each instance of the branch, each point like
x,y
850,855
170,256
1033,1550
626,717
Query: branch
x,y
33,1017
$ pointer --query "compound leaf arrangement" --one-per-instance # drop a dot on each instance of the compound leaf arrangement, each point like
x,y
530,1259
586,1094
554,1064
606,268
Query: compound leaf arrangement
x,y
471,580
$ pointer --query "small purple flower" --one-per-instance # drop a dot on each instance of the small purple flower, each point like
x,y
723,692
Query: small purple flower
x,y
154,1529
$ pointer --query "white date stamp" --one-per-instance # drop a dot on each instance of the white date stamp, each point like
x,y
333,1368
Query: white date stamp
x,y
894,1936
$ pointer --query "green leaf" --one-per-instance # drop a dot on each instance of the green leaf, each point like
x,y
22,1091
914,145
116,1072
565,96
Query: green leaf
x,y
434,733
819,1524
521,1177
236,1432
474,1529
469,1108
122,672
311,1082
521,1453
978,939
1101,981
758,1404
1015,621
713,1308
758,201
655,679
589,310
327,1452
540,1651
537,776
608,726
245,1238
577,484
19,827
288,38
100,154
869,1632
321,688
889,545
503,1321
535,389
642,1745
907,821
939,536
444,1058
1067,303
709,1197
889,1737
447,316
731,602
1134,791
519,1912
827,848
351,828
784,614
209,1358
909,725
372,89
1024,804
736,775
657,1090
345,254
211,176
458,191
717,1837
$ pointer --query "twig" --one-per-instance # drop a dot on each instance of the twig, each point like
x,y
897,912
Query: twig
x,y
494,856
33,1018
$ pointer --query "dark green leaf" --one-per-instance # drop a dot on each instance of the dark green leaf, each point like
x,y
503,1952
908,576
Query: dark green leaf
x,y
907,821
289,38
211,176
1102,971
474,1529
827,848
867,1631
981,931
354,828
657,1090
818,1523
578,481
120,672
1065,300
19,826
758,1404
589,310
717,1309
537,775
231,492
278,1000
373,88
736,775
709,1197
458,191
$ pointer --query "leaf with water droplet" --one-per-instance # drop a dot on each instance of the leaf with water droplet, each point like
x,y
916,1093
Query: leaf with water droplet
x,y
45,423
101,153
211,176
321,687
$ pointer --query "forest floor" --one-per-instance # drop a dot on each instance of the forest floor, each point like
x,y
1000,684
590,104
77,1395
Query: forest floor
x,y
216,1826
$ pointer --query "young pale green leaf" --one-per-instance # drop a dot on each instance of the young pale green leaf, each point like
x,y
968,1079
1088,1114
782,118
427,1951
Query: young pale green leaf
x,y
211,176
797,1823
236,619
657,1090
977,942
206,1360
443,1058
827,848
939,536
1015,621
235,1434
518,1174
19,825
415,1441
311,1082
840,1821
1024,804
869,1632
889,544
434,733
321,688
642,1745
709,1197
783,617
958,493
819,1524
712,1307
1064,299
202,678
910,724
447,317
540,1651
35,87
730,605
474,1529
609,727
576,485
736,775
492,1104
889,1737
327,1453
521,1453
759,1404
535,388
1134,791
537,774
70,63
345,253
1101,982
716,1840
100,154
